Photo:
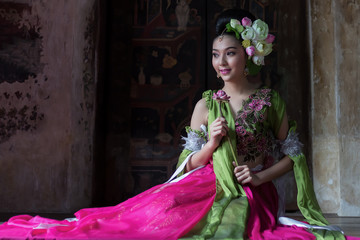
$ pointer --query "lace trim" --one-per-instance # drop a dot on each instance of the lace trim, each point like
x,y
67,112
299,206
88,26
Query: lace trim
x,y
291,146
253,138
291,222
195,139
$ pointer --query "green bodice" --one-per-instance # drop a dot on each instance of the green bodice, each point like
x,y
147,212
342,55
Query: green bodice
x,y
228,215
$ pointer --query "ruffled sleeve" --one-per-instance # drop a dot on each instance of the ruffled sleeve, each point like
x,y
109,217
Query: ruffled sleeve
x,y
276,112
207,95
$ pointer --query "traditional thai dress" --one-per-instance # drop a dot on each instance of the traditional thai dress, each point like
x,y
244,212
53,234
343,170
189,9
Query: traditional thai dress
x,y
208,202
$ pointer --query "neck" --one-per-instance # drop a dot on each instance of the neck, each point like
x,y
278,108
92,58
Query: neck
x,y
238,88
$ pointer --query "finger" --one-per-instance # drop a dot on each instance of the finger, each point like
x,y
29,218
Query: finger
x,y
216,135
245,169
220,119
246,180
225,126
215,122
216,128
223,120
241,175
217,125
243,179
238,168
220,129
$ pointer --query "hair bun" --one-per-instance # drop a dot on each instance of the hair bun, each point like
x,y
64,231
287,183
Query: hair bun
x,y
225,17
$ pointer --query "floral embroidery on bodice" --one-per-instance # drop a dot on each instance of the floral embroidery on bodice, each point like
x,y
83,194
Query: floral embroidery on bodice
x,y
253,138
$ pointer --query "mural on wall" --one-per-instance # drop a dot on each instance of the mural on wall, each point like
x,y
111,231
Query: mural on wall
x,y
20,53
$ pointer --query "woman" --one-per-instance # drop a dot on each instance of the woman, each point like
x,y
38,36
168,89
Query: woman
x,y
223,189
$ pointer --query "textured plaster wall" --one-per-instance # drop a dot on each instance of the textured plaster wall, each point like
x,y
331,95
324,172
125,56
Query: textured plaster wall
x,y
348,62
47,167
334,40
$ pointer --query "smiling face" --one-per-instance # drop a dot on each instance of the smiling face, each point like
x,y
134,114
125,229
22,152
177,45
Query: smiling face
x,y
228,58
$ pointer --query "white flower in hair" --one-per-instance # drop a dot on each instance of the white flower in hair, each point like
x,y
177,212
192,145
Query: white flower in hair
x,y
256,40
248,34
258,60
262,48
261,29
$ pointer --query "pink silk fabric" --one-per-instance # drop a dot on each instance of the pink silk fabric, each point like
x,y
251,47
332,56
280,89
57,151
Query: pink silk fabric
x,y
167,211
262,222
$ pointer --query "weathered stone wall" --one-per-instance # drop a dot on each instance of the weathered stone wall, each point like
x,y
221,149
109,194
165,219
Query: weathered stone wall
x,y
47,113
335,47
348,76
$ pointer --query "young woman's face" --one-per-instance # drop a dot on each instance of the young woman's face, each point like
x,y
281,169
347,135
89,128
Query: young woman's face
x,y
228,58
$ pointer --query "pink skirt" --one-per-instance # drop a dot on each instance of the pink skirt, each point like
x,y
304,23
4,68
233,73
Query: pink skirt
x,y
167,211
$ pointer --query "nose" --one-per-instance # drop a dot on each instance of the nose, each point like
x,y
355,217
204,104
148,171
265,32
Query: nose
x,y
223,60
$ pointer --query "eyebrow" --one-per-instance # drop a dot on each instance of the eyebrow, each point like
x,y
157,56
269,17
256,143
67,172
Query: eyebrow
x,y
225,48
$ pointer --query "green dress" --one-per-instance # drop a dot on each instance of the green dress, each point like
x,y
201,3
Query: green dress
x,y
228,216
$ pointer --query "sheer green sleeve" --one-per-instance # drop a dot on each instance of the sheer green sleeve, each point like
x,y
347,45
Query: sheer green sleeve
x,y
192,144
306,197
207,95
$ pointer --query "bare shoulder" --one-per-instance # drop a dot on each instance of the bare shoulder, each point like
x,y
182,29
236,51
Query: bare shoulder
x,y
200,114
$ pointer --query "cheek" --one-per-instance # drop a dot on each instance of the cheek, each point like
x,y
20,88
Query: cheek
x,y
244,56
242,60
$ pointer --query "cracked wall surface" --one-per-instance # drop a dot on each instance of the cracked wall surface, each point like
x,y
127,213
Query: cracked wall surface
x,y
47,91
335,40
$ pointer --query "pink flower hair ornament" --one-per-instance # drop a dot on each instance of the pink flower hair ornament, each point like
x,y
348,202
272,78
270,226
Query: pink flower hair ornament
x,y
256,40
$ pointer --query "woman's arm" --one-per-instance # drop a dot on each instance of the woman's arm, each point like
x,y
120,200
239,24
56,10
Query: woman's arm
x,y
217,130
244,174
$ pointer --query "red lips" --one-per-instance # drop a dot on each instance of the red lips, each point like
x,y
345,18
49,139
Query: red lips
x,y
225,71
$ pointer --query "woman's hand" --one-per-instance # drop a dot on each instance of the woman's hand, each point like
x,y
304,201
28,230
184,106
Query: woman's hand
x,y
218,129
244,175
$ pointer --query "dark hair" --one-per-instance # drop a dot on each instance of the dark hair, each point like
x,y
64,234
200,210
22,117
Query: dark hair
x,y
227,15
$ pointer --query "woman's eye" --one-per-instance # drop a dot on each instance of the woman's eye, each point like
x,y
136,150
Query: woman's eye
x,y
215,55
231,53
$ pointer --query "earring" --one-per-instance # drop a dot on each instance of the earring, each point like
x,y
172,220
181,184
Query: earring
x,y
218,76
246,72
